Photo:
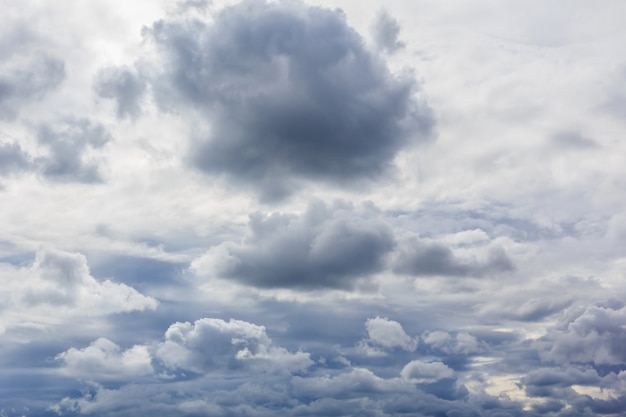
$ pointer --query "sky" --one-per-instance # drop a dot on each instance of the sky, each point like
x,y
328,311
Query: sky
x,y
312,208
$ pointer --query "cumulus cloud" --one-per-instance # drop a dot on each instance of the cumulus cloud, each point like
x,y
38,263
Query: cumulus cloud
x,y
210,344
69,143
418,372
386,334
58,285
290,91
326,247
594,334
104,359
125,86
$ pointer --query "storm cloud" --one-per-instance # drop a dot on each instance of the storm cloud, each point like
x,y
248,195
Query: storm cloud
x,y
291,92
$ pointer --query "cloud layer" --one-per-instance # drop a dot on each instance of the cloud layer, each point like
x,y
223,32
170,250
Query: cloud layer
x,y
257,208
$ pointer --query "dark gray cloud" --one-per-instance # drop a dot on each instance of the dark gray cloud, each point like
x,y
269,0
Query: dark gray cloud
x,y
385,30
290,91
326,247
418,257
124,86
13,159
68,143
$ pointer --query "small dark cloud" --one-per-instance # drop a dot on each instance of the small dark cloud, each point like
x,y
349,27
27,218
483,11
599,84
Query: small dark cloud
x,y
26,78
418,257
326,247
13,159
68,143
291,92
385,30
124,86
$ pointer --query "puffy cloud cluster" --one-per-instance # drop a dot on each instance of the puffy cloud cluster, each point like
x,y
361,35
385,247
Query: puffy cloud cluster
x,y
210,344
104,359
594,335
291,93
58,285
418,372
384,334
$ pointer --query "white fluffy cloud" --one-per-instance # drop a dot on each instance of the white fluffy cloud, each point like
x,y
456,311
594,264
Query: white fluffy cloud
x,y
211,344
386,334
103,359
59,285
418,372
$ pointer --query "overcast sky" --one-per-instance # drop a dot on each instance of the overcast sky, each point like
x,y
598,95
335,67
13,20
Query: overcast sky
x,y
312,208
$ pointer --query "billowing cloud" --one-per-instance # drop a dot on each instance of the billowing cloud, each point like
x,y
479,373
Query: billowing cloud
x,y
103,359
210,344
290,91
69,143
326,247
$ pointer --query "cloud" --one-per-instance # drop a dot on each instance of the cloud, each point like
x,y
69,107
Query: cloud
x,y
422,257
355,383
326,247
418,372
103,359
13,159
386,334
453,344
290,92
59,285
385,30
69,143
124,86
26,76
594,334
210,344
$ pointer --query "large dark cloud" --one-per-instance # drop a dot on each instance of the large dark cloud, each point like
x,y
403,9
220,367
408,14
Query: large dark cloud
x,y
69,142
290,91
326,247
